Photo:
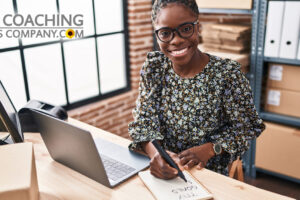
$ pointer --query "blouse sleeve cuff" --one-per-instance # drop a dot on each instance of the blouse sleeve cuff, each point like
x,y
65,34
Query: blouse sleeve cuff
x,y
232,152
136,144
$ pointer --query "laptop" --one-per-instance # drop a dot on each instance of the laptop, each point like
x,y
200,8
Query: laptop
x,y
9,119
101,160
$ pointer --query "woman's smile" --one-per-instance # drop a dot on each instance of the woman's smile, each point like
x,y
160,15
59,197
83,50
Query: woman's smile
x,y
179,52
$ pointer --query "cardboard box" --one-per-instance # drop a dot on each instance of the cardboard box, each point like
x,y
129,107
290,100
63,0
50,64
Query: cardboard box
x,y
18,178
285,77
228,28
226,48
227,4
242,43
226,37
284,102
277,150
232,32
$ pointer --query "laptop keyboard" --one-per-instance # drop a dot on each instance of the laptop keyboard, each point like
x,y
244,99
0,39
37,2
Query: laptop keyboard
x,y
115,169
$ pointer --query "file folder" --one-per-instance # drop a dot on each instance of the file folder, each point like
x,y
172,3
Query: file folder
x,y
290,30
274,28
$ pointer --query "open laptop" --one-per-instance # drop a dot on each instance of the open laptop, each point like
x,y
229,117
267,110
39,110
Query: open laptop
x,y
100,160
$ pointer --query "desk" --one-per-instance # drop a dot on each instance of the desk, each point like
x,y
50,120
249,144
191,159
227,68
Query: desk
x,y
59,182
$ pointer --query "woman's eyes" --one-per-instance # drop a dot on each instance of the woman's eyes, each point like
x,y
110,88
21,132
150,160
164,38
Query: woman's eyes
x,y
164,33
186,29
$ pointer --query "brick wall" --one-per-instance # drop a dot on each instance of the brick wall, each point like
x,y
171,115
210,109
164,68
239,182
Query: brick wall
x,y
114,114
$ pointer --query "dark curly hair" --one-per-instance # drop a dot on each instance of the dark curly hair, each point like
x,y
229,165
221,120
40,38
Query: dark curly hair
x,y
159,4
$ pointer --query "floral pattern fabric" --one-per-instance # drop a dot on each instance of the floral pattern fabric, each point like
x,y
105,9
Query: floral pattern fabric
x,y
215,106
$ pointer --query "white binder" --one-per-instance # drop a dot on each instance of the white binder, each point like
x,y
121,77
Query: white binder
x,y
274,28
290,30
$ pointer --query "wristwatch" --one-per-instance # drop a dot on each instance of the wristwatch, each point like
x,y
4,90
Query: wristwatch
x,y
217,148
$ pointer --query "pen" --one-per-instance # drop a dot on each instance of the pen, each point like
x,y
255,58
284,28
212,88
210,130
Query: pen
x,y
168,159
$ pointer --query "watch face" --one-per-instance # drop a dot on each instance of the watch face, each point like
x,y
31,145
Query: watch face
x,y
217,148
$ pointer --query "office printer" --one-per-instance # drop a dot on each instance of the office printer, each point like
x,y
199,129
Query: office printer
x,y
27,121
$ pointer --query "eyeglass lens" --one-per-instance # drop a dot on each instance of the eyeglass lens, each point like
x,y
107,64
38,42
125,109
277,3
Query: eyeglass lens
x,y
185,31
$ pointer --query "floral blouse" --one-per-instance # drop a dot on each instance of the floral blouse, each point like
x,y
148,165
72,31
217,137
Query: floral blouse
x,y
215,106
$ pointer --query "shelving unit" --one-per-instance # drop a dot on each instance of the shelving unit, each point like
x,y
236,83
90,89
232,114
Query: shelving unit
x,y
281,60
261,60
281,119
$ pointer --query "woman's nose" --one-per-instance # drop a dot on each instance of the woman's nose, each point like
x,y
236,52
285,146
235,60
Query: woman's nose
x,y
177,39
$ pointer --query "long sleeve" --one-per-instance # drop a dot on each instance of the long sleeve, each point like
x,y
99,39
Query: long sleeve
x,y
146,124
242,122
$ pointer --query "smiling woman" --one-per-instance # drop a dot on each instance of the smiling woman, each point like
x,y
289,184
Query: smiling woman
x,y
199,106
181,46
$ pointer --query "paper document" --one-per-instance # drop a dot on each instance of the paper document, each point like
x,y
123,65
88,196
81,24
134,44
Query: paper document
x,y
175,189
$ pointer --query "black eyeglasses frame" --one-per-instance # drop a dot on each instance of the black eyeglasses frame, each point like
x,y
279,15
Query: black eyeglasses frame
x,y
176,30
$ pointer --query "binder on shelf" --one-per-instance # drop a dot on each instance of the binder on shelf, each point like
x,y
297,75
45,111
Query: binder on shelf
x,y
290,31
274,28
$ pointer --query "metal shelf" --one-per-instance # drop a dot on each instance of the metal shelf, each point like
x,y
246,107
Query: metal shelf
x,y
225,11
282,60
282,119
278,175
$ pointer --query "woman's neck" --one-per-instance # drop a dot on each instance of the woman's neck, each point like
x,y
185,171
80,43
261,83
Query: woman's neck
x,y
195,66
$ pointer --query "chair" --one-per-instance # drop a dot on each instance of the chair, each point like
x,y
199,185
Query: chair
x,y
236,170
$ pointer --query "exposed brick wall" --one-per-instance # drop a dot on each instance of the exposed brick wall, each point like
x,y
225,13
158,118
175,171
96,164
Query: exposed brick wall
x,y
115,113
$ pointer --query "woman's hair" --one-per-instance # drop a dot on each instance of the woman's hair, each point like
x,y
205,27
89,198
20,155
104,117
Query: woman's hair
x,y
159,4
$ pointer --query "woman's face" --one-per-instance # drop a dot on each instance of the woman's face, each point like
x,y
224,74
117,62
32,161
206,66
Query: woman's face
x,y
179,50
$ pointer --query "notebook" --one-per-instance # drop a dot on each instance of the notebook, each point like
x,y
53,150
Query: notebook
x,y
175,189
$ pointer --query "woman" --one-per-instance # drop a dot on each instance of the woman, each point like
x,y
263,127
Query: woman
x,y
199,106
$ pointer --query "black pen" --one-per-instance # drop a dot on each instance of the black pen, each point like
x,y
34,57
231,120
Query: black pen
x,y
168,159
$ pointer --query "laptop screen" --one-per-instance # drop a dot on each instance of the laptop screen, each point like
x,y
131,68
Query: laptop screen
x,y
9,116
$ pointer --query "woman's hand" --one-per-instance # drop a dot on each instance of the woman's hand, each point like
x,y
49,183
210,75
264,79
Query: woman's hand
x,y
198,155
161,169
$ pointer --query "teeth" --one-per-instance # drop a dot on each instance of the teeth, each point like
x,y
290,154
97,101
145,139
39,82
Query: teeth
x,y
179,52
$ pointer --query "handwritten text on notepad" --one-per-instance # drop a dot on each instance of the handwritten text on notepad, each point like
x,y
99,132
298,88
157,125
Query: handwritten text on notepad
x,y
186,192
175,189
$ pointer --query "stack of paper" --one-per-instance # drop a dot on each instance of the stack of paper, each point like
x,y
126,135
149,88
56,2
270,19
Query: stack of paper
x,y
226,37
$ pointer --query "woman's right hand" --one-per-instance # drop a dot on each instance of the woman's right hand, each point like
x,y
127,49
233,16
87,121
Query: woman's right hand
x,y
161,169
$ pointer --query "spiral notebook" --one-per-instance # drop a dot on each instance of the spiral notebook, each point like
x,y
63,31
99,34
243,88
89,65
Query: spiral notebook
x,y
175,189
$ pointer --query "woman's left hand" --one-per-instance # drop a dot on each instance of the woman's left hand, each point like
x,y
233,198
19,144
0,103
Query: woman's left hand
x,y
198,155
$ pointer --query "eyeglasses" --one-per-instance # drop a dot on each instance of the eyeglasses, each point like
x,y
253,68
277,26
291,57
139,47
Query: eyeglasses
x,y
185,30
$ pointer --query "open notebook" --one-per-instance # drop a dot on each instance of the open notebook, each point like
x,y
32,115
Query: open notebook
x,y
175,189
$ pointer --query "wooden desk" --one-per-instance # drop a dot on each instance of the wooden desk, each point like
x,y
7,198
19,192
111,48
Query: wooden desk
x,y
59,182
